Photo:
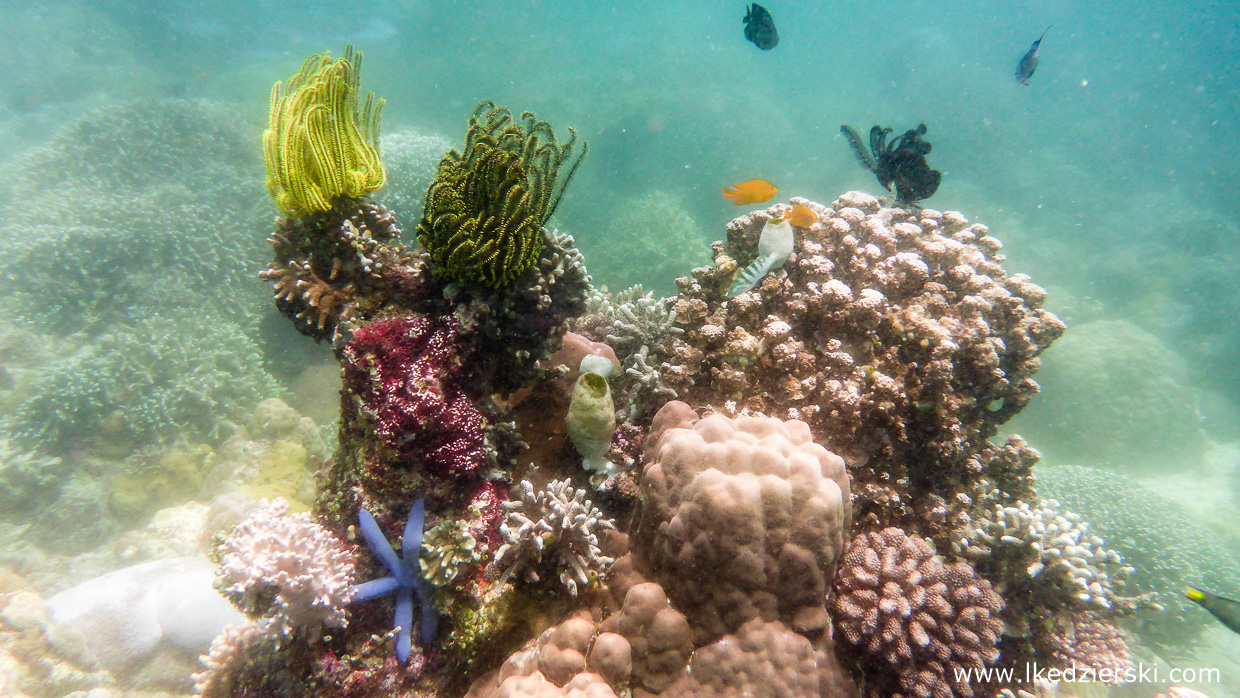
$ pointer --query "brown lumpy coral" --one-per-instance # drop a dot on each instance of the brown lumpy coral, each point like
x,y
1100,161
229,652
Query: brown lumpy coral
x,y
741,519
658,635
916,625
762,659
894,333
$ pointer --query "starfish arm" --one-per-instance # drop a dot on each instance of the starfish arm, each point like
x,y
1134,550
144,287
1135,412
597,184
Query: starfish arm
x,y
404,620
374,589
411,541
378,543
430,618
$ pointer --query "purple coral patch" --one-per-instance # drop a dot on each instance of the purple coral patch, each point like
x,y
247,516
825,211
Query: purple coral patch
x,y
405,373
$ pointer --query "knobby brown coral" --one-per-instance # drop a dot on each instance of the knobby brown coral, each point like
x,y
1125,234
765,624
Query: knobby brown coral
x,y
895,334
919,627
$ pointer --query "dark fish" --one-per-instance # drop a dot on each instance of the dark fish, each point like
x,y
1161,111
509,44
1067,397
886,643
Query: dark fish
x,y
1029,61
760,27
1221,607
901,162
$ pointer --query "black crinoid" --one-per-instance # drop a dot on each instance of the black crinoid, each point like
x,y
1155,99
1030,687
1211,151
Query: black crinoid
x,y
902,161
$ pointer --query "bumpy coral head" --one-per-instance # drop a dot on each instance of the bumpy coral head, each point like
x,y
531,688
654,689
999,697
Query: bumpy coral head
x,y
319,145
486,208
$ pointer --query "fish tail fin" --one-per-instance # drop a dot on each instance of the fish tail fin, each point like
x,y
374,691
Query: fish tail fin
x,y
858,147
751,275
1195,594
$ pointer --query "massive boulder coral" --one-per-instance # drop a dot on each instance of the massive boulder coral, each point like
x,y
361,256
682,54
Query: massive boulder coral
x,y
766,659
916,625
894,333
742,519
1116,396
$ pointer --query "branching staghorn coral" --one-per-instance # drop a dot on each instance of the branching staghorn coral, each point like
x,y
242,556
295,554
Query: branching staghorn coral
x,y
1166,545
554,528
184,375
318,145
486,209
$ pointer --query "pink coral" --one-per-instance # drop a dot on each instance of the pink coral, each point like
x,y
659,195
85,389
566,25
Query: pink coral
x,y
919,625
288,569
742,518
406,374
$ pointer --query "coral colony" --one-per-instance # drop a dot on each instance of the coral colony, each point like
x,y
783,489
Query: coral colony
x,y
792,487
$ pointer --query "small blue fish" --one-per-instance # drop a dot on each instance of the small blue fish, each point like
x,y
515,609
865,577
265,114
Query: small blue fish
x,y
1029,62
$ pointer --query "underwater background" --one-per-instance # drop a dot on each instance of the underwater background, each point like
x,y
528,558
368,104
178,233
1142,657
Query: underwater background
x,y
139,350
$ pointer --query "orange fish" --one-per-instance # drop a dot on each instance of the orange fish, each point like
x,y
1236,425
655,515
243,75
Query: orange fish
x,y
801,216
754,191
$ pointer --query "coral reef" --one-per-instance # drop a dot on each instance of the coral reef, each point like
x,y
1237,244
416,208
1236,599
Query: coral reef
x,y
486,208
742,518
448,548
1167,548
917,625
160,377
651,239
635,324
1115,396
319,146
1064,564
86,240
659,637
327,262
225,660
406,375
410,161
553,533
1062,583
767,659
895,334
287,570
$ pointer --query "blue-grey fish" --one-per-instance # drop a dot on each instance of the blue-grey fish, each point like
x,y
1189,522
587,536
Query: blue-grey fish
x,y
760,27
775,245
1221,607
1029,61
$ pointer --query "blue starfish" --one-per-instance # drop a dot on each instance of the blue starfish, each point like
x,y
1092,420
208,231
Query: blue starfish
x,y
405,578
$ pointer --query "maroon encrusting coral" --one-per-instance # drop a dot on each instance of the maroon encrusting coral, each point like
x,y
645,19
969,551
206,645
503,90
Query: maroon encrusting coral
x,y
405,373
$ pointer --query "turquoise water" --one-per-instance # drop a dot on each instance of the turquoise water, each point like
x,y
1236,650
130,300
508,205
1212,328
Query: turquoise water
x,y
1112,179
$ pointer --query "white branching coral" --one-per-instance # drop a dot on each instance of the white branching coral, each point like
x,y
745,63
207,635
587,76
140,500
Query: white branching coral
x,y
1063,563
225,659
639,319
554,528
288,569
